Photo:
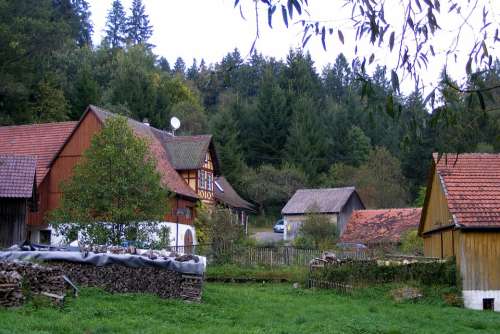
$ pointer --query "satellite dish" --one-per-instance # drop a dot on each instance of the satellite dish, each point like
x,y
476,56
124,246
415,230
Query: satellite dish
x,y
175,123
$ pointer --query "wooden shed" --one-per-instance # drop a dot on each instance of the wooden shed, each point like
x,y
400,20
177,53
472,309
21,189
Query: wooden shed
x,y
335,203
17,191
461,218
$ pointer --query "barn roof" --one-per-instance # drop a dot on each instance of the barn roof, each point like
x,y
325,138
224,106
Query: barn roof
x,y
170,177
327,200
41,141
380,226
17,176
226,194
471,184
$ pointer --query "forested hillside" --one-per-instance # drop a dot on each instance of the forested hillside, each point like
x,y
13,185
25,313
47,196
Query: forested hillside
x,y
278,124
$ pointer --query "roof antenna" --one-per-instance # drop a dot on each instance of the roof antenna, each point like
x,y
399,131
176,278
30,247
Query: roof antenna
x,y
175,123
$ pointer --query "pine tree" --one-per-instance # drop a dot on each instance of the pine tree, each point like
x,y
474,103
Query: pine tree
x,y
85,28
225,133
138,27
357,147
164,65
270,123
306,146
192,72
180,66
116,25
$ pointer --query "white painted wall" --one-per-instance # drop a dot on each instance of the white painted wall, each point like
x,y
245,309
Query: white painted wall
x,y
177,231
473,299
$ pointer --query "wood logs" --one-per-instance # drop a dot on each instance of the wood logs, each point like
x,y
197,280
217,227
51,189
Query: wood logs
x,y
10,289
16,277
122,279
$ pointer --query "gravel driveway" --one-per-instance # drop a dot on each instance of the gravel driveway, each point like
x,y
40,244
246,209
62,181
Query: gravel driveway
x,y
268,236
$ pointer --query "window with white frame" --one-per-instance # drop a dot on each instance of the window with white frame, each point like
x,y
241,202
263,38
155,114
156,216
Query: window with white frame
x,y
210,181
201,179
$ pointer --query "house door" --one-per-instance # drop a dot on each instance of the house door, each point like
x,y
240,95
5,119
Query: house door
x,y
188,242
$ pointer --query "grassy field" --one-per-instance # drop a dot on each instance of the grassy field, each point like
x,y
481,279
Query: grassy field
x,y
255,308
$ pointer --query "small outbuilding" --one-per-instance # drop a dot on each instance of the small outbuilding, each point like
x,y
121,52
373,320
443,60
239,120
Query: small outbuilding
x,y
461,219
382,227
335,203
17,193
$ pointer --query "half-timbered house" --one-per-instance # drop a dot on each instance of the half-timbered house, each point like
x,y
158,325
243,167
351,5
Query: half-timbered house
x,y
188,166
461,219
195,160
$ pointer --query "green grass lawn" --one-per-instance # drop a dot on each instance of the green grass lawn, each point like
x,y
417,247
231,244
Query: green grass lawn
x,y
255,308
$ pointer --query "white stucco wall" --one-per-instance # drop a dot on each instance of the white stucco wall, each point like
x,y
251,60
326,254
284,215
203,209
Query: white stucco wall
x,y
177,231
473,299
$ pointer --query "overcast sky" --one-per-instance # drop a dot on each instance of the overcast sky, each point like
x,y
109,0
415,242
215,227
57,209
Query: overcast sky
x,y
210,29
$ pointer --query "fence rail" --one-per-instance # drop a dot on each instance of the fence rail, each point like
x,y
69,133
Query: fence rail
x,y
268,256
321,284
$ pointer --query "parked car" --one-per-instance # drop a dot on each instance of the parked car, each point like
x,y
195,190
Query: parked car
x,y
279,227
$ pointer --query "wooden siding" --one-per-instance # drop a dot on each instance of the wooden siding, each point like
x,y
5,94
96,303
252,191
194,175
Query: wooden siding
x,y
12,221
178,216
62,169
37,218
479,255
437,213
353,203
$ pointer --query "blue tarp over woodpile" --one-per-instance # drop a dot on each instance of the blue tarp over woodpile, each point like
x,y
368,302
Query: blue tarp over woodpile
x,y
103,259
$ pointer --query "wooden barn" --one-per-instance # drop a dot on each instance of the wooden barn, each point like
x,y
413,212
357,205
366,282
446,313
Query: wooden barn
x,y
17,194
335,203
461,218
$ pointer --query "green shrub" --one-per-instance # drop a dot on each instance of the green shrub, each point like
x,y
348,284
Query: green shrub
x,y
318,230
369,272
412,243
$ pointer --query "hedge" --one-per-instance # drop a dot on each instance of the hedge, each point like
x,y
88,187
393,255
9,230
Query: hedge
x,y
371,272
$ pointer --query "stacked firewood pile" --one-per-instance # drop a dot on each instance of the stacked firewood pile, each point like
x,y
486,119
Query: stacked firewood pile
x,y
331,259
191,287
17,276
10,289
123,279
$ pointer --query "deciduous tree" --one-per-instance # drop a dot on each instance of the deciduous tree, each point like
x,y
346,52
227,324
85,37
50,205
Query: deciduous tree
x,y
115,193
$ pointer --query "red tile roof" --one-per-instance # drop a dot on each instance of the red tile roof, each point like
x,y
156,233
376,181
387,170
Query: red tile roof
x,y
17,175
380,226
471,183
172,180
42,141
